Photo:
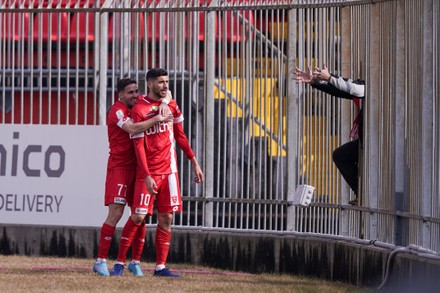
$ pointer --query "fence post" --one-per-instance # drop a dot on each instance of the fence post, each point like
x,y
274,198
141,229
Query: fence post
x,y
345,68
103,67
293,129
427,88
209,121
400,194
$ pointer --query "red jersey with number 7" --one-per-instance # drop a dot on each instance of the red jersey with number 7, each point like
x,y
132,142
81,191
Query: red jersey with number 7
x,y
155,148
122,155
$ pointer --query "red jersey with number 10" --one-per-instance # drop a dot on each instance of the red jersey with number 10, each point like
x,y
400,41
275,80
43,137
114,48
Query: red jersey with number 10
x,y
159,142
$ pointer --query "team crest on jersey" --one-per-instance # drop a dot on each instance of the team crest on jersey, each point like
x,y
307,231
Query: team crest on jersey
x,y
174,199
154,108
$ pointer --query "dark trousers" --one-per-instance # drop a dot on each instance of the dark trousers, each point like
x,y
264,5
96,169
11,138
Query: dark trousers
x,y
346,159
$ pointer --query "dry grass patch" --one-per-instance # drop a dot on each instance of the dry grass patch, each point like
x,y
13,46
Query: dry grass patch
x,y
44,274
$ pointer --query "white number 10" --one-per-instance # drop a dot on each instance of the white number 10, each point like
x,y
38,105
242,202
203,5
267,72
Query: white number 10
x,y
145,199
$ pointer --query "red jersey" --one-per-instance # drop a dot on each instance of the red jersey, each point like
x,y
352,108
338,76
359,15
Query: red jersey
x,y
155,147
122,155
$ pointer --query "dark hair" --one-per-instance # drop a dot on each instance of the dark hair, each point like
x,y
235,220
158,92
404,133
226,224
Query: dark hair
x,y
155,73
122,83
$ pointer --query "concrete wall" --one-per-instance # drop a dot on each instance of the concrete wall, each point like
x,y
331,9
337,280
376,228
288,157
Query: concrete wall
x,y
329,259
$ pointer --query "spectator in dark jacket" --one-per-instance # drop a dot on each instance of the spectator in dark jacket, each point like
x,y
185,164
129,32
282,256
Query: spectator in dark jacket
x,y
345,157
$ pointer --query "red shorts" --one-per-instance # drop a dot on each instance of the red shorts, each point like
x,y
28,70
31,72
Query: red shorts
x,y
119,186
168,199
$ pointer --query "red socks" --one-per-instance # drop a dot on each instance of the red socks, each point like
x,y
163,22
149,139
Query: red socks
x,y
105,240
163,239
138,242
128,233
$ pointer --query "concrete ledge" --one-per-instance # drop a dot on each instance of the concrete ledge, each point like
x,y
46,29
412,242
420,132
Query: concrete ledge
x,y
329,259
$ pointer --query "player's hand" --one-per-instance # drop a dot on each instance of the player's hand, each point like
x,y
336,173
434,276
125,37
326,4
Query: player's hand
x,y
151,185
199,177
303,76
165,118
163,108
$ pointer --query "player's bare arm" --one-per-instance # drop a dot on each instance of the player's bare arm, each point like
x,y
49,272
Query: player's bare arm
x,y
138,127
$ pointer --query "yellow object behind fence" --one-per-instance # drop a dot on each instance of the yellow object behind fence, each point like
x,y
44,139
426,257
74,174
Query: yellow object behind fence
x,y
266,114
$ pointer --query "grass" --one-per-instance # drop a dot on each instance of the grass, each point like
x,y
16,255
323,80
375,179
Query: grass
x,y
45,274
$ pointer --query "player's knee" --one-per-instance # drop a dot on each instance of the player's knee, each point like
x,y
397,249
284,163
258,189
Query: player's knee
x,y
114,214
165,220
137,218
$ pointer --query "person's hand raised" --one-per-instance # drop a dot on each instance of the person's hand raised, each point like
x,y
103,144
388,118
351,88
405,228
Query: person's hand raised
x,y
321,74
303,76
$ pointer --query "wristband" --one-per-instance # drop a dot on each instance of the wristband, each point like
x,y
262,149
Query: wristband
x,y
165,101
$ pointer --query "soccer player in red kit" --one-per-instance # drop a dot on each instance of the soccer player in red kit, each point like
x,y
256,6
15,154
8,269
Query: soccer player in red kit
x,y
121,166
156,174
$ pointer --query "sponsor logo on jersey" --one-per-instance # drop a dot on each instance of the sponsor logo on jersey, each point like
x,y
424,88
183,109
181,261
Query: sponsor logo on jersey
x,y
140,211
158,128
119,200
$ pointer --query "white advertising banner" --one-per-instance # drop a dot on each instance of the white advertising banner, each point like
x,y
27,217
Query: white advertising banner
x,y
53,175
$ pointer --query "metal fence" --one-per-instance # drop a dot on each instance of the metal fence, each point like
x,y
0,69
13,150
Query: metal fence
x,y
257,133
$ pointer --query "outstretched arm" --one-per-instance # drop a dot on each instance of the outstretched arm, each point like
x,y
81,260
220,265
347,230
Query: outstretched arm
x,y
336,86
354,89
343,84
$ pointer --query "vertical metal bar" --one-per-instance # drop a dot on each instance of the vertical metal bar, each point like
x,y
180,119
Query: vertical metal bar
x,y
103,65
21,49
11,63
347,23
220,159
209,123
60,118
292,108
436,154
3,32
227,105
426,14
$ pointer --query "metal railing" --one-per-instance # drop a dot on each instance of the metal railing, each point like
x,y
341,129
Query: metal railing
x,y
258,134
